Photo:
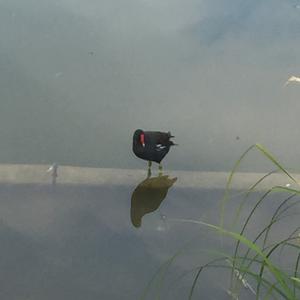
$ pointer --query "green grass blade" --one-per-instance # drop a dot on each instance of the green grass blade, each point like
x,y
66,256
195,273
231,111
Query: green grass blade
x,y
249,191
296,273
228,184
270,292
265,152
296,279
278,275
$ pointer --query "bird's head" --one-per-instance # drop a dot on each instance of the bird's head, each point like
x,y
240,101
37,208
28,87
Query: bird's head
x,y
139,137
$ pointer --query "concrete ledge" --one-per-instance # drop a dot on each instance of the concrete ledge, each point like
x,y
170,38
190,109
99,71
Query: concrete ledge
x,y
68,175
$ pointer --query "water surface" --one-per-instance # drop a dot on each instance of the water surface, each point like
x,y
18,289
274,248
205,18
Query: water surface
x,y
91,242
76,80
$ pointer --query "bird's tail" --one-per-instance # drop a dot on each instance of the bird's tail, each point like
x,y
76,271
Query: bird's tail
x,y
170,135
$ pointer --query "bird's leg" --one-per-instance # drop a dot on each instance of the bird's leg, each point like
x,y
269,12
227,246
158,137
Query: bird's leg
x,y
160,168
149,169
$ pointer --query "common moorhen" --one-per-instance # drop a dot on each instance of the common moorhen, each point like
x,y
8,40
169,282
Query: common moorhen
x,y
151,146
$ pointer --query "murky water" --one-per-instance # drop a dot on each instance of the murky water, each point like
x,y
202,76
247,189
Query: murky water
x,y
78,77
106,242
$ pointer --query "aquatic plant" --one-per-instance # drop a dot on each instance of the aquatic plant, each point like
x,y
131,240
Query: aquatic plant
x,y
252,264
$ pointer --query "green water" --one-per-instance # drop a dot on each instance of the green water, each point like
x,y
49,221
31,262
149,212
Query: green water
x,y
76,80
106,242
78,77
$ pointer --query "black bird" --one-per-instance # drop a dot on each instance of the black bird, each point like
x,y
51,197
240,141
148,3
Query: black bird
x,y
151,146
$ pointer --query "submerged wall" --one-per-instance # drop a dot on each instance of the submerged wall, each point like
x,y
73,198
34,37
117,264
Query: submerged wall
x,y
68,175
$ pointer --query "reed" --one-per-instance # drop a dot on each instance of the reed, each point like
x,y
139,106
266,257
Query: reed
x,y
252,264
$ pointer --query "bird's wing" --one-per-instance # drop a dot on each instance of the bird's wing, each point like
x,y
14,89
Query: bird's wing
x,y
164,138
159,147
157,137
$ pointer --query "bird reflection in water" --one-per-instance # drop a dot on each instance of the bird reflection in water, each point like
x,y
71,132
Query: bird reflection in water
x,y
148,196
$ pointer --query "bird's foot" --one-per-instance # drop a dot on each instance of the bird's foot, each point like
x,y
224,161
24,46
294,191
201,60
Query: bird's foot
x,y
149,169
149,173
160,168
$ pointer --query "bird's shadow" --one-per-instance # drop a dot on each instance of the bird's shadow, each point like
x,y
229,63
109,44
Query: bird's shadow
x,y
148,196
